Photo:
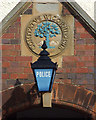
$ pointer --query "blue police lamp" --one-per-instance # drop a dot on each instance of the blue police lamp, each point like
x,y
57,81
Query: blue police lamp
x,y
44,71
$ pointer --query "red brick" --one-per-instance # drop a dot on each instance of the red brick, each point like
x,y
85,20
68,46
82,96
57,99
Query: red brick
x,y
80,30
67,81
13,76
60,70
17,47
80,64
78,24
87,58
75,52
8,36
7,58
18,19
0,47
67,70
23,58
84,47
29,65
89,53
69,64
95,64
12,30
89,47
23,76
27,70
15,70
4,53
5,76
77,36
91,70
66,11
14,64
17,36
90,41
84,82
79,70
10,53
84,35
71,58
80,53
8,47
24,64
17,24
30,76
19,30
5,64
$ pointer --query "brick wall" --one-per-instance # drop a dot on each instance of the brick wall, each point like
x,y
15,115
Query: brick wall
x,y
77,69
14,66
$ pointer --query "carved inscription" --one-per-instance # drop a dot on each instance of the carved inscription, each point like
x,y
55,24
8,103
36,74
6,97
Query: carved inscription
x,y
41,20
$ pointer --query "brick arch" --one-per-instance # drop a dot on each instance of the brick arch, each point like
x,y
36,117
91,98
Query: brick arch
x,y
25,96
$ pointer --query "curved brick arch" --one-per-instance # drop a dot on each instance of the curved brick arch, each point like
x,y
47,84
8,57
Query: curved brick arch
x,y
25,96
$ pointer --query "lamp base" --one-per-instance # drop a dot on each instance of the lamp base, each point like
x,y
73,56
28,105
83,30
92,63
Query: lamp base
x,y
47,99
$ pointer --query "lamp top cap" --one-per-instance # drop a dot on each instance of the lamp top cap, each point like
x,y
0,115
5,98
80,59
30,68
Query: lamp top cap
x,y
44,46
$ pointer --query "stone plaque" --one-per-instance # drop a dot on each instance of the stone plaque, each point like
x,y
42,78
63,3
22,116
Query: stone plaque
x,y
50,28
50,25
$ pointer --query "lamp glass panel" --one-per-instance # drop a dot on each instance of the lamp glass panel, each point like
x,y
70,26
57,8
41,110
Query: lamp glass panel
x,y
43,78
53,78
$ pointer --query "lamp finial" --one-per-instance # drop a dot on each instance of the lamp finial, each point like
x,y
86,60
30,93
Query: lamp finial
x,y
44,46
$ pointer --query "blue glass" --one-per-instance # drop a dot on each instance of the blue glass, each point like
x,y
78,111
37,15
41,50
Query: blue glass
x,y
43,77
53,79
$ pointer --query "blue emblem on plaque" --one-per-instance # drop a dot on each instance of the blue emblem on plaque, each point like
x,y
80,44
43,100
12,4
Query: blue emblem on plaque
x,y
48,30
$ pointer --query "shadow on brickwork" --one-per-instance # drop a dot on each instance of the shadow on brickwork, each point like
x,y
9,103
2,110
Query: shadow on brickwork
x,y
18,98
